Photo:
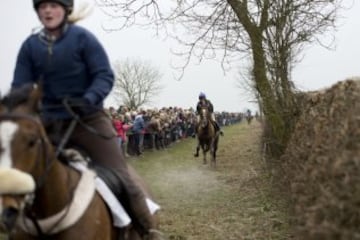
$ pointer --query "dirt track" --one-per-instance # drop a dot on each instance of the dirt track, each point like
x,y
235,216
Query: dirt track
x,y
233,202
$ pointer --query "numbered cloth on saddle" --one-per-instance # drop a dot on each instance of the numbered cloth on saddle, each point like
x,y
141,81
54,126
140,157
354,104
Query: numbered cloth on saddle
x,y
108,186
110,177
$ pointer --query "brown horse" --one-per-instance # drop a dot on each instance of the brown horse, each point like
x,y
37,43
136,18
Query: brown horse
x,y
249,118
207,137
42,198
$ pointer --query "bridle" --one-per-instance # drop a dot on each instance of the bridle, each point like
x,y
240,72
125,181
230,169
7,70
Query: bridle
x,y
44,154
14,117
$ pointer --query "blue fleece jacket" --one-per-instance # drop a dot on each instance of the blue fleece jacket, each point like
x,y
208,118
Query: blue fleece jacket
x,y
139,124
75,65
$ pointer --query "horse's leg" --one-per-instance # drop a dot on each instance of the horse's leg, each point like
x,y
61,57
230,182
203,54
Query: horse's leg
x,y
204,154
212,153
213,160
216,142
213,148
212,156
197,149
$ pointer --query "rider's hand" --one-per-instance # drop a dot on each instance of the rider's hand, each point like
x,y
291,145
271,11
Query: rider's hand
x,y
79,105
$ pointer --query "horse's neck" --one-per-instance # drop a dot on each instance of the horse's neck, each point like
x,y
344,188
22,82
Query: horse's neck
x,y
57,190
205,118
207,128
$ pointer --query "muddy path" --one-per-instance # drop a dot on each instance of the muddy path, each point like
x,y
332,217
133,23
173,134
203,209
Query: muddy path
x,y
233,202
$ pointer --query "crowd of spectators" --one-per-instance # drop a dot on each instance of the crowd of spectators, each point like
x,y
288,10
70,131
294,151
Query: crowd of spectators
x,y
150,129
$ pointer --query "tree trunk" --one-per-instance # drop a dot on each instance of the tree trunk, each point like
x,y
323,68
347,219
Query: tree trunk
x,y
271,107
272,110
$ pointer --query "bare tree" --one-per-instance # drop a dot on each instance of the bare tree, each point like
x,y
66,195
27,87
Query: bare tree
x,y
247,87
136,83
272,34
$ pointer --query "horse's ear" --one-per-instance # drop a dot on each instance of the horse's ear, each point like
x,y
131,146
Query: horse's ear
x,y
23,98
35,98
2,107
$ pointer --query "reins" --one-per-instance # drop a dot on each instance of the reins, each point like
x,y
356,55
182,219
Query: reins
x,y
36,121
48,164
79,120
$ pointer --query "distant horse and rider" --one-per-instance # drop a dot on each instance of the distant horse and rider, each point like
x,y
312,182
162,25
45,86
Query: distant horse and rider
x,y
249,117
47,195
207,130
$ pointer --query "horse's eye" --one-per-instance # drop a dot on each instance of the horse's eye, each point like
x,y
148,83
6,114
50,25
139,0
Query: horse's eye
x,y
32,141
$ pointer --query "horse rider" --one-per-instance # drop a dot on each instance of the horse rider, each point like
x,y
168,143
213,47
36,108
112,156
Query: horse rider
x,y
206,103
71,64
248,113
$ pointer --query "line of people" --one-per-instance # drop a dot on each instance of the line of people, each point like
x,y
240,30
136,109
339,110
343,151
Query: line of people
x,y
158,128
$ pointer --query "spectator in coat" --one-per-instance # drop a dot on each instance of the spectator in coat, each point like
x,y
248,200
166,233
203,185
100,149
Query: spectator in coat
x,y
139,131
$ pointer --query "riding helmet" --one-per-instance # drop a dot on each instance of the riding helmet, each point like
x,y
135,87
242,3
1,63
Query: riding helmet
x,y
68,4
202,95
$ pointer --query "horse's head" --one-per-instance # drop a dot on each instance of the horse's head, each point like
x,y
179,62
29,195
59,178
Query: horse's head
x,y
22,144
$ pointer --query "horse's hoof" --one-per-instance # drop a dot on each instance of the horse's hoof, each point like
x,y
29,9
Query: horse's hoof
x,y
196,155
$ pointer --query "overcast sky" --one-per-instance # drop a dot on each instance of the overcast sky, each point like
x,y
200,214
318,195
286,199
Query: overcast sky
x,y
319,68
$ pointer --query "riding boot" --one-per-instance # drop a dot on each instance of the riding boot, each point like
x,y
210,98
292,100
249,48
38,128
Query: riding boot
x,y
133,200
217,128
